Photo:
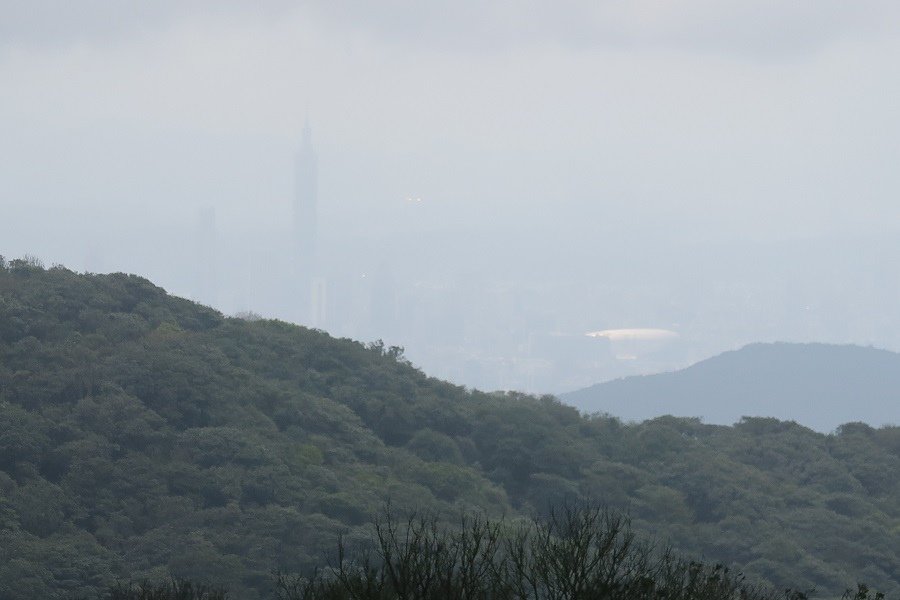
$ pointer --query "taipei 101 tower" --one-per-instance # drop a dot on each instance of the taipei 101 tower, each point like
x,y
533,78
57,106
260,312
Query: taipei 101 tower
x,y
310,293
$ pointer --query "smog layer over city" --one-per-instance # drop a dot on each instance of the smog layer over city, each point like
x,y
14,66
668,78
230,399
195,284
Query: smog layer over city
x,y
623,209
488,184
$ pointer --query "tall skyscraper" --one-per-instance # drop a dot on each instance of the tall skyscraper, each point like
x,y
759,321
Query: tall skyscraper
x,y
305,217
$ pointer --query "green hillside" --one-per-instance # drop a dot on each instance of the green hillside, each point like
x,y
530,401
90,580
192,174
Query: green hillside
x,y
142,435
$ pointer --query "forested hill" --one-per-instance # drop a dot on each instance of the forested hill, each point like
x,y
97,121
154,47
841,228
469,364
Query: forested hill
x,y
142,435
819,385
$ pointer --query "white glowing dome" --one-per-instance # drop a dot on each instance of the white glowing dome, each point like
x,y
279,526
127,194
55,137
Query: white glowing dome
x,y
634,335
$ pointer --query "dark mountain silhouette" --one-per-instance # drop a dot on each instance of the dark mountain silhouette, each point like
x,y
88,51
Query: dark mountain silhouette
x,y
820,386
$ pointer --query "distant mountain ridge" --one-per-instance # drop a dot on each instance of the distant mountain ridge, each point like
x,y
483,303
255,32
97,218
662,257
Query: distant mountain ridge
x,y
820,386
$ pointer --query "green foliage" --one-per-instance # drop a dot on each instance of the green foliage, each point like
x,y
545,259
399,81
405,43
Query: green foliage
x,y
434,446
144,436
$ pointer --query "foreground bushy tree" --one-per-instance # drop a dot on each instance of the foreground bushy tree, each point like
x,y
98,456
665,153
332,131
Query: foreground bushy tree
x,y
580,553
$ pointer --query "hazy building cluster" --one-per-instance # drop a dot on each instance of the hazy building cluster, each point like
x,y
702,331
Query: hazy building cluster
x,y
493,314
485,186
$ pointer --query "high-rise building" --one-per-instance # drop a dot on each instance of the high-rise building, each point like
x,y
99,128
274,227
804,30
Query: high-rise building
x,y
305,217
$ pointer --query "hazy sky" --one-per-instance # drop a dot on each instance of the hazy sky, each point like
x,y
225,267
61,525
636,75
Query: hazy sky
x,y
569,145
763,119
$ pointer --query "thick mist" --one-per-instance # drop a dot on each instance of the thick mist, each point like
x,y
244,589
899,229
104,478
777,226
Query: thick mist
x,y
491,183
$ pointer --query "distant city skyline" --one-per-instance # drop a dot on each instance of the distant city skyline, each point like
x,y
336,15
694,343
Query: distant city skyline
x,y
489,183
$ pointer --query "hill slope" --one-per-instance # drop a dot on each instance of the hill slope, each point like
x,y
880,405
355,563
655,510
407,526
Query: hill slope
x,y
145,436
821,386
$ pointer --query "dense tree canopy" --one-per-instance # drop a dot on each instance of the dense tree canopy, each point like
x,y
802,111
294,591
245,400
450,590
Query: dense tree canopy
x,y
145,436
